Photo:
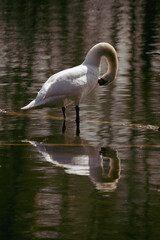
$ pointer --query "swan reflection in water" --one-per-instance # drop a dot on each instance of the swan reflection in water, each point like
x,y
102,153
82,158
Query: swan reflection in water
x,y
76,156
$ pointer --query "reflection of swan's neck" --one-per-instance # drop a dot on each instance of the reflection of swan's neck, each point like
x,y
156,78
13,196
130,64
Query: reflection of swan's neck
x,y
94,57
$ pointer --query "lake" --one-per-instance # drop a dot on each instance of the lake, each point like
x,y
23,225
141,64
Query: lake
x,y
103,183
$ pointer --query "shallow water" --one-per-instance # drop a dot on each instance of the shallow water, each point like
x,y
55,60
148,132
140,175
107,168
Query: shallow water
x,y
105,183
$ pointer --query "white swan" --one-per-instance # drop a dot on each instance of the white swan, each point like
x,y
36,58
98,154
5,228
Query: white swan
x,y
73,84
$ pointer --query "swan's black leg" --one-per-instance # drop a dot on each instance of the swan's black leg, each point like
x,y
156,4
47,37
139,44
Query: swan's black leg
x,y
77,113
77,121
64,127
64,112
77,128
64,121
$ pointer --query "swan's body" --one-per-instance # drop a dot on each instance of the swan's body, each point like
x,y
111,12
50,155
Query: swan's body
x,y
73,84
65,87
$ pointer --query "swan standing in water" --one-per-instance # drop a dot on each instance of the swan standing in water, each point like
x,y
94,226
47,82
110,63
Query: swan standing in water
x,y
73,84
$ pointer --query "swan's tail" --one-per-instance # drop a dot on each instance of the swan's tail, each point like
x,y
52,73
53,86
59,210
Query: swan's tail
x,y
29,106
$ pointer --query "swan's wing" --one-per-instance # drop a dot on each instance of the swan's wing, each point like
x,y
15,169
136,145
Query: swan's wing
x,y
69,83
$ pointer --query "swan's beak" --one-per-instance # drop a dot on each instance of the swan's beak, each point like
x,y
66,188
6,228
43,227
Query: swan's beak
x,y
101,81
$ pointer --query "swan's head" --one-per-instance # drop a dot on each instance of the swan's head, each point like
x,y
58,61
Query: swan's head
x,y
93,58
111,57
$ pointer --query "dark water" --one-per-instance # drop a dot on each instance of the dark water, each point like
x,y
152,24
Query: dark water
x,y
105,183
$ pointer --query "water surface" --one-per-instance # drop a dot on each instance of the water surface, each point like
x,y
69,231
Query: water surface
x,y
105,183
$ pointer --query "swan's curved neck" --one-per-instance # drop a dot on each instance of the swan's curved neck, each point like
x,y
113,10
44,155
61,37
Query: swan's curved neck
x,y
94,57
